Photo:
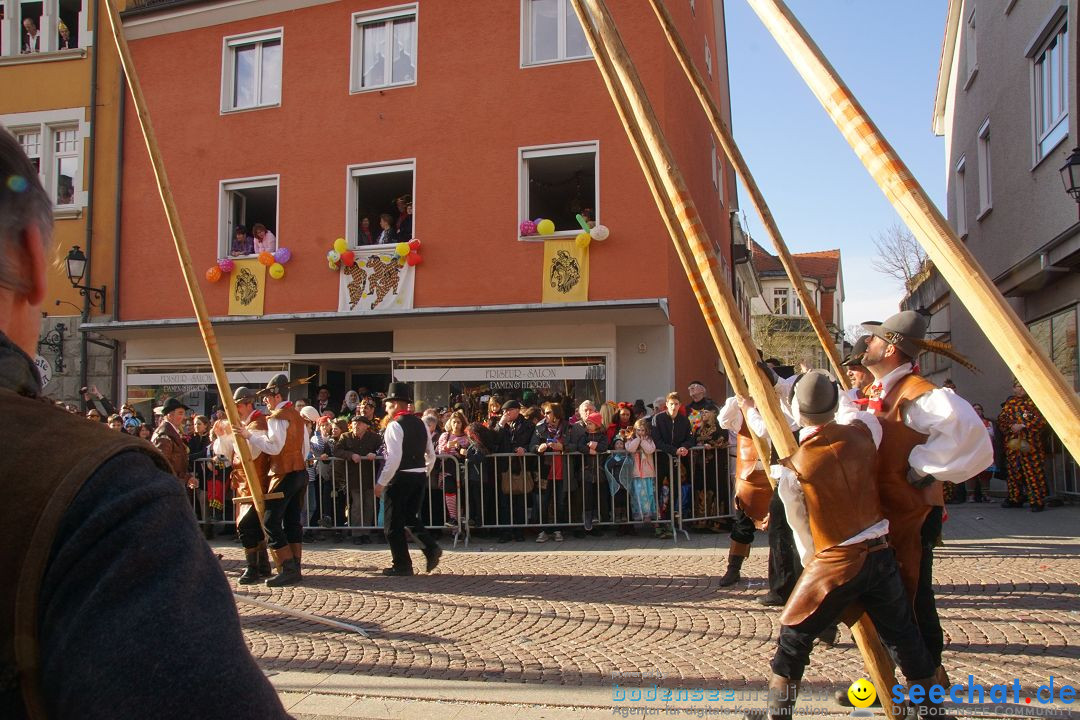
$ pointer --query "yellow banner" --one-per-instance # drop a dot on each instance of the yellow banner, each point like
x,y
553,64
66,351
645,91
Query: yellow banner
x,y
566,272
247,288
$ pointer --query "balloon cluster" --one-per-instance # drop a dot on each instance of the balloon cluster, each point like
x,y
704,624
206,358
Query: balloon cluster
x,y
539,226
275,261
588,234
407,253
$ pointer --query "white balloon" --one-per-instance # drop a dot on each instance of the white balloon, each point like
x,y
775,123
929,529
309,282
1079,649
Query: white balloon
x,y
599,233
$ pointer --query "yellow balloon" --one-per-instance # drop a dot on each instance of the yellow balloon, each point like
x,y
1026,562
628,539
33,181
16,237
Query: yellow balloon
x,y
402,249
340,245
277,271
583,240
545,227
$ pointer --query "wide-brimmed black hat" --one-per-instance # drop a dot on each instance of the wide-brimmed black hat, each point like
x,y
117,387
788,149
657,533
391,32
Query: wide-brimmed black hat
x,y
278,385
399,391
857,351
817,396
171,405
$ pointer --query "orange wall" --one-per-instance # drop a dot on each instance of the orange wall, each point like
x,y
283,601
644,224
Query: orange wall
x,y
472,108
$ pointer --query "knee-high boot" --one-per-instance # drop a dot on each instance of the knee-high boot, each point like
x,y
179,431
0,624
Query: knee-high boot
x,y
290,568
736,555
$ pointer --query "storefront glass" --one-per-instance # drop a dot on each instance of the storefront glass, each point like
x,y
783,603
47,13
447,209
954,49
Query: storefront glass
x,y
193,385
530,380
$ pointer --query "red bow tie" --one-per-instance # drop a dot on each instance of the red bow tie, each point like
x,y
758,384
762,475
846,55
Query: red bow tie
x,y
873,403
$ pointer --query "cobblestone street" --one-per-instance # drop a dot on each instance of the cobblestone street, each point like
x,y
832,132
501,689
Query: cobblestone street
x,y
566,619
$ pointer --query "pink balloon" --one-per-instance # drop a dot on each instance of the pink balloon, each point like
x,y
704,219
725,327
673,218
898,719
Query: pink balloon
x,y
528,227
226,264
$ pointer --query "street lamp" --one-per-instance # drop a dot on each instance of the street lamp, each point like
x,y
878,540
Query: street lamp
x,y
76,268
1070,174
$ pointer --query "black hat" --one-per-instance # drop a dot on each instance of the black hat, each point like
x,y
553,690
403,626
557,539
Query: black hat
x,y
172,404
244,393
857,351
278,385
400,392
818,397
511,405
769,372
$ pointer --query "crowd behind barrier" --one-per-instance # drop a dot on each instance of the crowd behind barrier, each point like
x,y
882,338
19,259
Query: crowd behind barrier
x,y
504,493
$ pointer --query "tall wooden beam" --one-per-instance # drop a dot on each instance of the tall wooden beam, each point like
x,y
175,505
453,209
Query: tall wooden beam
x,y
184,256
967,279
693,244
735,157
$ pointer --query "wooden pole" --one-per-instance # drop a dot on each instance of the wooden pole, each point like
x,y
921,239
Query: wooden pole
x,y
1006,332
300,614
624,83
735,157
190,279
675,230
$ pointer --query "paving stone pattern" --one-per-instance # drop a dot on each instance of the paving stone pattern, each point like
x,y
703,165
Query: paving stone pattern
x,y
574,614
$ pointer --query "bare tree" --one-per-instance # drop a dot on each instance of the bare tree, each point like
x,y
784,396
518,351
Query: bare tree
x,y
899,255
791,340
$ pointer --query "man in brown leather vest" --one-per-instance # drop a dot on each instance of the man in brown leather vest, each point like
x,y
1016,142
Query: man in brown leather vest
x,y
831,500
247,519
167,440
929,436
285,442
97,539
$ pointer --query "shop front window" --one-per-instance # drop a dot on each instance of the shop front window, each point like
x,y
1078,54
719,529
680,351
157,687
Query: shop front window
x,y
529,380
193,385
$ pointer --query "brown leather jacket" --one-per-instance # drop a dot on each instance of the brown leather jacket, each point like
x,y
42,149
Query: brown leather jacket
x,y
169,443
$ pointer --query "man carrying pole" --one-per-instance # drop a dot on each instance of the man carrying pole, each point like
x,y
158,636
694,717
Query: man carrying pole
x,y
248,525
929,436
830,492
285,442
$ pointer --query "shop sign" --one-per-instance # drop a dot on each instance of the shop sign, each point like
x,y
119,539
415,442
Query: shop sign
x,y
501,374
200,381
44,369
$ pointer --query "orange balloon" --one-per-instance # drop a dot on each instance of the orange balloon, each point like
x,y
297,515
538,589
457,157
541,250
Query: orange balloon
x,y
213,274
266,258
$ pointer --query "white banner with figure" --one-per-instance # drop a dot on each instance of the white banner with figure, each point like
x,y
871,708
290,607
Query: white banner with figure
x,y
379,279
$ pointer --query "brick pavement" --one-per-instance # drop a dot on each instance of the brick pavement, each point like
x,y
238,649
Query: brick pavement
x,y
566,617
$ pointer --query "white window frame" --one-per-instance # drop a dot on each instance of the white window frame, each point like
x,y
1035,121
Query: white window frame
x,y
1055,32
225,222
387,16
960,196
46,124
971,58
781,293
526,153
351,200
708,56
229,45
526,36
986,196
715,164
11,31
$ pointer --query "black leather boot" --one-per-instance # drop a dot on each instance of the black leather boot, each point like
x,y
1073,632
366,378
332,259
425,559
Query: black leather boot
x,y
924,708
736,555
781,706
265,570
251,572
289,575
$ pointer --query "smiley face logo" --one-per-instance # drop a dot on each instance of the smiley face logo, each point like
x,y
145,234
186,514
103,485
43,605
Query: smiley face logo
x,y
862,693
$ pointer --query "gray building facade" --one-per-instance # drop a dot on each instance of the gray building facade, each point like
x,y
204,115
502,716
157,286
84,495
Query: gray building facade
x,y
1006,103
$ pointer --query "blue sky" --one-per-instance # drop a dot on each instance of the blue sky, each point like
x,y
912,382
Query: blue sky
x,y
819,192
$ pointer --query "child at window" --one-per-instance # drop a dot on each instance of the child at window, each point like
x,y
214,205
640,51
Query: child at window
x,y
386,236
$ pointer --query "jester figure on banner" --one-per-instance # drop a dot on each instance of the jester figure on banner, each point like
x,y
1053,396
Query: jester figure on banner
x,y
377,278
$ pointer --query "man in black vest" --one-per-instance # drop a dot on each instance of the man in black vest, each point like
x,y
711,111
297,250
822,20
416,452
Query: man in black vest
x,y
409,460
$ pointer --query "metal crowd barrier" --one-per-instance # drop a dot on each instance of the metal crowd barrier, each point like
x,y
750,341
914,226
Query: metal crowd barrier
x,y
505,492
340,497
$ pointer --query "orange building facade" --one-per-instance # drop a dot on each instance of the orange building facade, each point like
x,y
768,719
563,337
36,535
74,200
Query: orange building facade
x,y
308,117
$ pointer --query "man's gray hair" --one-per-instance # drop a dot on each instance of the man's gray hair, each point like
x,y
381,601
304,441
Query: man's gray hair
x,y
23,204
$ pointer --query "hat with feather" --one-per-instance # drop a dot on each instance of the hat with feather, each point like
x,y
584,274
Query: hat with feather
x,y
907,331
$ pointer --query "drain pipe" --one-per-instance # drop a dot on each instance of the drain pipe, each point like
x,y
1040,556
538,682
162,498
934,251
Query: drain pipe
x,y
90,159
